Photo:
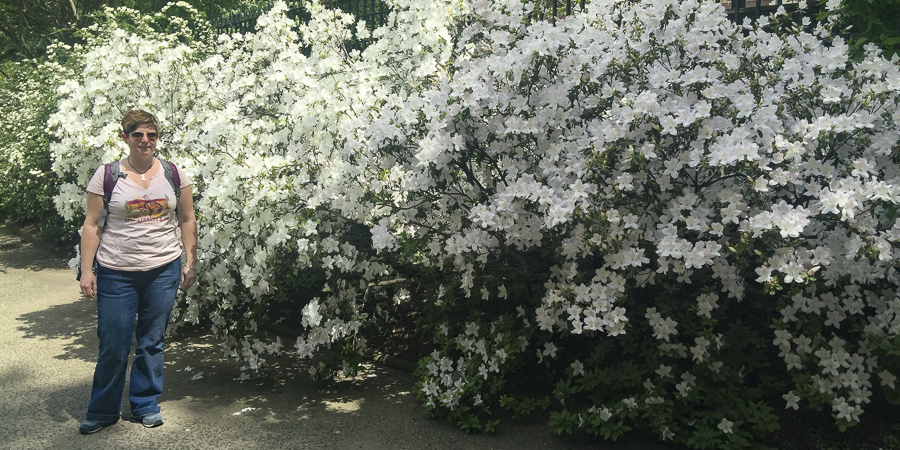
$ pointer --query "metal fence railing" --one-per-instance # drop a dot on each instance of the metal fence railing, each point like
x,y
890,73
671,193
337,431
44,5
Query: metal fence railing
x,y
551,9
738,10
374,12
245,21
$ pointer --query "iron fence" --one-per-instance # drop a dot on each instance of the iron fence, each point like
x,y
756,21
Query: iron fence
x,y
551,9
245,21
374,12
738,10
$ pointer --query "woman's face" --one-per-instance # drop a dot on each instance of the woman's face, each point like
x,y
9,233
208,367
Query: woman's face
x,y
141,141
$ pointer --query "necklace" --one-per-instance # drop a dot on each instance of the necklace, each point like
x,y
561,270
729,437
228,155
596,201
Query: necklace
x,y
138,171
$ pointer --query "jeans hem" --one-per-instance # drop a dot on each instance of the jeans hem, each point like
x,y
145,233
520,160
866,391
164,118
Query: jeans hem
x,y
107,419
144,411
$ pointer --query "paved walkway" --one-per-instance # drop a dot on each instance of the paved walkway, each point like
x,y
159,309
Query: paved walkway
x,y
48,348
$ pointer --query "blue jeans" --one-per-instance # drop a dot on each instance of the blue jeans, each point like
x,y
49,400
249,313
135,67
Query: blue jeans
x,y
121,296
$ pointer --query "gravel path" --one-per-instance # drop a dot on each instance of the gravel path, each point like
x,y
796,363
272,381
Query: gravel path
x,y
48,348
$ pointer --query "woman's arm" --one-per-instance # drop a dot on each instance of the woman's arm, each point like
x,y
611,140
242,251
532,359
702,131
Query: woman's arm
x,y
90,240
188,237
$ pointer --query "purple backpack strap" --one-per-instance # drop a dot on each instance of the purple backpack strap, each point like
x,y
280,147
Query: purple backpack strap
x,y
176,178
109,181
111,175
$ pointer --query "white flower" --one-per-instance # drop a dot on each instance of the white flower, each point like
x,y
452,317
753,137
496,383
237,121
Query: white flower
x,y
664,371
706,303
381,237
700,351
765,274
605,414
725,425
792,400
549,350
665,434
887,379
577,368
782,339
311,316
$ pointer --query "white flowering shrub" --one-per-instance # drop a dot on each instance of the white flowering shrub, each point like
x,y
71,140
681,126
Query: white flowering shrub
x,y
265,126
638,216
663,186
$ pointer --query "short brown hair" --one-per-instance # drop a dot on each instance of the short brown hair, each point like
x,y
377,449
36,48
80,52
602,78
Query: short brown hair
x,y
136,118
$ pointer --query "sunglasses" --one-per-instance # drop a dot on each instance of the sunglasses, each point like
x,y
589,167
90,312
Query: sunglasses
x,y
137,135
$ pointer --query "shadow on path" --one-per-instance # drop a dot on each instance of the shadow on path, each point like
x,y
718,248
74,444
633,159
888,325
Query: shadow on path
x,y
15,253
206,404
48,348
75,322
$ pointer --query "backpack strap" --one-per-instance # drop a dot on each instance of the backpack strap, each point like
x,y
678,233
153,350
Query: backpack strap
x,y
111,174
174,179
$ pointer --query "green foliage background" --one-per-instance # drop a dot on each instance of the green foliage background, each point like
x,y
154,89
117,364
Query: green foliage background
x,y
27,28
27,181
871,21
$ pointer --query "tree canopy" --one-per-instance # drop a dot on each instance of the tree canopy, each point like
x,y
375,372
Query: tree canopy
x,y
28,26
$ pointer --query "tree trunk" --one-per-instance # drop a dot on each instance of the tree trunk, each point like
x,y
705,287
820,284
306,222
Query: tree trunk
x,y
74,10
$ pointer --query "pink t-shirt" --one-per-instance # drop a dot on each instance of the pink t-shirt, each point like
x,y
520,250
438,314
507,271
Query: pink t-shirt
x,y
139,233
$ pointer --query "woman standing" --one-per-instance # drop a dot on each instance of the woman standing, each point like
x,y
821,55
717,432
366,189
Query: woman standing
x,y
139,268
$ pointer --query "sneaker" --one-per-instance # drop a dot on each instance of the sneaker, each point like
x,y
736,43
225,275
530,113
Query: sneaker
x,y
91,427
152,420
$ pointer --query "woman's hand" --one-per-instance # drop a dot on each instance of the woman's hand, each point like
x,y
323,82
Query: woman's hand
x,y
188,237
88,284
188,277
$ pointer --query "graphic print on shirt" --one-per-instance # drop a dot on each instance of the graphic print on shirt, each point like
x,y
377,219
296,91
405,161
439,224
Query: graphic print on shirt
x,y
146,209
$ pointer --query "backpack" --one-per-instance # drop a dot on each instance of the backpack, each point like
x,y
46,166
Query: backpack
x,y
111,174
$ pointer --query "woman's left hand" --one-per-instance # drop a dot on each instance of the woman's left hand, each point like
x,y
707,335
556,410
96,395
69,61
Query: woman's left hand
x,y
188,277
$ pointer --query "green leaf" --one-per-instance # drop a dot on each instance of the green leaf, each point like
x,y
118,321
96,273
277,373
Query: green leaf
x,y
562,421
